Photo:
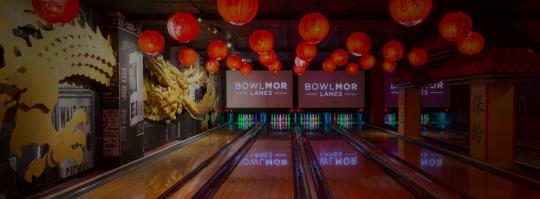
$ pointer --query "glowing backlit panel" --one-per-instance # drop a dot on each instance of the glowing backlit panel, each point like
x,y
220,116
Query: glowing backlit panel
x,y
319,89
259,89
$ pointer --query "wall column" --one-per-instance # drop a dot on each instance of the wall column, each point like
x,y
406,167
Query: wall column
x,y
376,105
492,122
409,115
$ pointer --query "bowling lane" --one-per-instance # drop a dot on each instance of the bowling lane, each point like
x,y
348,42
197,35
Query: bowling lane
x,y
348,173
153,178
266,171
463,178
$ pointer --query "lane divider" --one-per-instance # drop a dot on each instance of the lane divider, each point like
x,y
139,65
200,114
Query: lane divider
x,y
178,185
301,184
412,185
409,176
211,187
531,183
319,180
117,172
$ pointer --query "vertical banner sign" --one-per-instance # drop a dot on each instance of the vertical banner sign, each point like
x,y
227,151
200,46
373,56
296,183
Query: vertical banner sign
x,y
69,100
122,102
478,106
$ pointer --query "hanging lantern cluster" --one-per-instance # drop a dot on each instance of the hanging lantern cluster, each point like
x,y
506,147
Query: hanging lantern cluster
x,y
352,68
275,67
472,44
261,41
212,65
188,56
306,51
410,12
238,12
340,57
246,69
358,43
367,61
328,65
389,66
183,27
56,12
151,42
217,49
234,62
299,70
393,50
457,27
418,57
313,27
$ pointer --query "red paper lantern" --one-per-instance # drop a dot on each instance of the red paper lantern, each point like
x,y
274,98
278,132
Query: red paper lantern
x,y
367,61
261,41
275,67
246,68
393,50
217,49
188,56
183,27
328,65
299,70
234,62
306,51
455,26
300,63
409,12
267,58
56,11
389,66
340,57
238,12
352,68
151,42
212,65
313,27
358,43
418,57
472,44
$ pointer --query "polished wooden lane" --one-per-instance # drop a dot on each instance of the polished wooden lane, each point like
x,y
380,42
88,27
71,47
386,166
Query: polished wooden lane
x,y
266,171
466,179
191,187
351,175
153,178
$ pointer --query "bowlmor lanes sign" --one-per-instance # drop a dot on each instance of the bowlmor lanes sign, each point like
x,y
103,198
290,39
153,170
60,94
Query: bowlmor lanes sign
x,y
319,89
259,89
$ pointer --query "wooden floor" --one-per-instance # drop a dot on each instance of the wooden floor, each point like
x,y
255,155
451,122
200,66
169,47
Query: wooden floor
x,y
152,179
266,171
350,175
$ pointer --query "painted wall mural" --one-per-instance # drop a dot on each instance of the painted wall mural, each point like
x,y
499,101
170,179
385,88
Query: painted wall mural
x,y
167,92
34,64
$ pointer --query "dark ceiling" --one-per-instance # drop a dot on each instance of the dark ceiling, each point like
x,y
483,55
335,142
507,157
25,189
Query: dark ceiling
x,y
503,23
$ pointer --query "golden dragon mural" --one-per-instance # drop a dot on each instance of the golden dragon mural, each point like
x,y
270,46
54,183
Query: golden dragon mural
x,y
167,92
33,66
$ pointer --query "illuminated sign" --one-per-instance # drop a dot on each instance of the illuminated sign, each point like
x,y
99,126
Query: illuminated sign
x,y
259,89
435,95
319,89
